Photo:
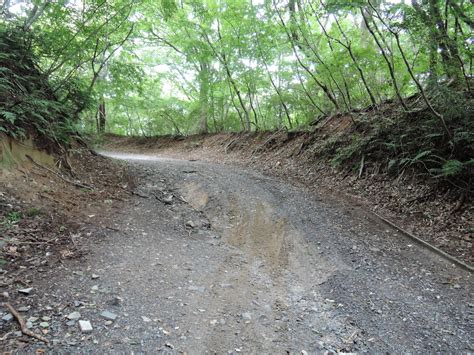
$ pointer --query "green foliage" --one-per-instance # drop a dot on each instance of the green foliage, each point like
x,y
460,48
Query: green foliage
x,y
452,168
243,66
168,8
182,67
415,142
351,149
11,218
29,106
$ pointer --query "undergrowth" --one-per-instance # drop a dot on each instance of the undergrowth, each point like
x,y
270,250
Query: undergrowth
x,y
416,140
32,104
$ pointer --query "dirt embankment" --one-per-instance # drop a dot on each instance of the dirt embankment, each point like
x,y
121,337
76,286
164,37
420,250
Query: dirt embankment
x,y
48,209
436,214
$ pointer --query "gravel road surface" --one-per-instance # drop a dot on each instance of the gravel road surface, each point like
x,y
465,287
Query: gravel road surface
x,y
214,259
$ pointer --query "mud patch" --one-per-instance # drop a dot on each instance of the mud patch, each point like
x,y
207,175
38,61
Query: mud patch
x,y
260,232
195,195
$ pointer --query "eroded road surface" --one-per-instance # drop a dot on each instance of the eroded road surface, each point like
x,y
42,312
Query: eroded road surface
x,y
214,259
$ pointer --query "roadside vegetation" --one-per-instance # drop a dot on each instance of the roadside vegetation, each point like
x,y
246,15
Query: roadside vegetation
x,y
399,73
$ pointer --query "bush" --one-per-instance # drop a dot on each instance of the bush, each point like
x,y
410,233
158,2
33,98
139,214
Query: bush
x,y
30,106
416,140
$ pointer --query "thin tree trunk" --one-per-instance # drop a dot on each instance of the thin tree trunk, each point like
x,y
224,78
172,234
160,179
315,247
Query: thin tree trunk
x,y
412,75
275,87
325,89
203,96
242,125
452,62
460,14
35,14
348,46
389,64
310,98
320,60
252,106
101,116
449,50
223,59
170,119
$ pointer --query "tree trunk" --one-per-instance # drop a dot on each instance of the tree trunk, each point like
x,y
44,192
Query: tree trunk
x,y
203,96
34,14
252,107
101,117
448,50
385,57
324,87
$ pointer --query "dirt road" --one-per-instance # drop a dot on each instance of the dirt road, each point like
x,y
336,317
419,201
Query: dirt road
x,y
215,259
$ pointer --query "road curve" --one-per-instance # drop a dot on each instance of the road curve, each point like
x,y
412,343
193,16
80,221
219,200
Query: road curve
x,y
216,259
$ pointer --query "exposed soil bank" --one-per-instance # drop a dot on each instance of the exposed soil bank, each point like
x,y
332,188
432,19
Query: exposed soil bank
x,y
437,215
48,215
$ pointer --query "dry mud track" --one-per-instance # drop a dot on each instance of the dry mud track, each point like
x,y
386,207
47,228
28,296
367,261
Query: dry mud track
x,y
215,259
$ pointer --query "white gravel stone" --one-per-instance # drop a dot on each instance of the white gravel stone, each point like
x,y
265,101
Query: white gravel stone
x,y
26,291
85,326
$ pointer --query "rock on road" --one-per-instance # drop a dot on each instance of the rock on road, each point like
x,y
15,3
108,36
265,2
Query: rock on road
x,y
222,260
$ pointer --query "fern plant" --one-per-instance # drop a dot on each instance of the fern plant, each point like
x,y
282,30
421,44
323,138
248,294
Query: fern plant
x,y
29,106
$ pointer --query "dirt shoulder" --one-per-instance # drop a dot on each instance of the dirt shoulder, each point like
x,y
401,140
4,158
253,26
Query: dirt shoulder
x,y
437,215
48,216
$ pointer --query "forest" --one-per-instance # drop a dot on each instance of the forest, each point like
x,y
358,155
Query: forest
x,y
402,70
236,176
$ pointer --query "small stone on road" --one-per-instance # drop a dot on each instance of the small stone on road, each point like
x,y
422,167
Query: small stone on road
x,y
73,316
7,317
85,326
109,315
25,291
